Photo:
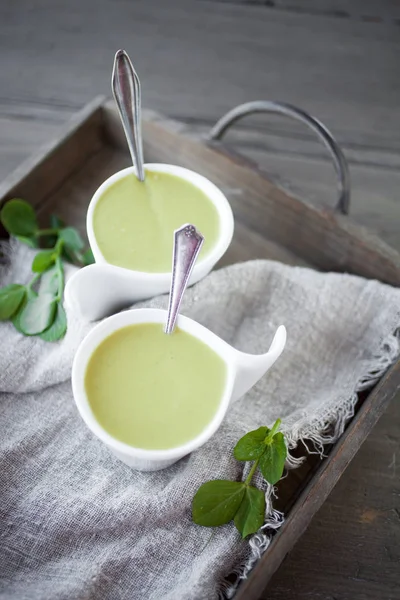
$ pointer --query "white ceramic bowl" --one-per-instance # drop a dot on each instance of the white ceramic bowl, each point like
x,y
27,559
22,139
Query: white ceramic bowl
x,y
243,371
101,289
204,264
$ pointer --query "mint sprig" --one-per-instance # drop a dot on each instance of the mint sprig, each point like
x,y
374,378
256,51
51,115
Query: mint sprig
x,y
219,501
36,308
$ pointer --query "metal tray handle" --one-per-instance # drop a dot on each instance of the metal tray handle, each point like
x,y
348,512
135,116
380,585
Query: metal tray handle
x,y
266,106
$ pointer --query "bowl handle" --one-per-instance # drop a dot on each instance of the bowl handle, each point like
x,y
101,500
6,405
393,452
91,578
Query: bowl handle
x,y
266,106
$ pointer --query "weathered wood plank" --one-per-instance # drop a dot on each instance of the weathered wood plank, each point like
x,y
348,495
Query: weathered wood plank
x,y
35,181
209,58
269,133
24,128
366,10
19,139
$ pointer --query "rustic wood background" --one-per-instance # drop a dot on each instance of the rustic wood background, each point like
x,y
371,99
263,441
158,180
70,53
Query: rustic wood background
x,y
197,59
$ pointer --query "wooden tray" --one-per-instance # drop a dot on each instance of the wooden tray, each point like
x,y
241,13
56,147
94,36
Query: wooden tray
x,y
269,223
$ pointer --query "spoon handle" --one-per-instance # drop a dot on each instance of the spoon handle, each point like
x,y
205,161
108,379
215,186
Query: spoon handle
x,y
187,245
126,89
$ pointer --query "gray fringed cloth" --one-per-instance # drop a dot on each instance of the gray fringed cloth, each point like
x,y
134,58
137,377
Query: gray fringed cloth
x,y
78,524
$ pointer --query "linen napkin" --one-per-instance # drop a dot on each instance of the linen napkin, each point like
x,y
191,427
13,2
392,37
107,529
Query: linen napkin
x,y
77,523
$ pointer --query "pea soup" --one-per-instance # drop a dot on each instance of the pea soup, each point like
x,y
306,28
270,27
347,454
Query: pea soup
x,y
152,390
134,221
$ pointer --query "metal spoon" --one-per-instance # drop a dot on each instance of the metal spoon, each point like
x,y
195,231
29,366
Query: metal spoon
x,y
187,245
125,86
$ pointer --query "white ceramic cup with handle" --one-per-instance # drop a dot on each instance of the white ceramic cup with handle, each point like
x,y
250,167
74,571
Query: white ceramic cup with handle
x,y
101,289
243,371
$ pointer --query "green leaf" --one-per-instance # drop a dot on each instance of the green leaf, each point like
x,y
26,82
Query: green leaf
x,y
216,502
43,260
252,445
29,241
38,314
250,516
19,218
57,330
50,282
87,257
11,298
72,238
56,222
272,462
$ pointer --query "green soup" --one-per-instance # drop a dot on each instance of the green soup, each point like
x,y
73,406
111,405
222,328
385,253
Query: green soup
x,y
134,221
152,390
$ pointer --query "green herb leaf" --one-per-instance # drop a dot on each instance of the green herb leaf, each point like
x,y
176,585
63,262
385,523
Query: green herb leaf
x,y
29,241
250,515
252,445
11,298
272,462
72,239
216,502
19,218
57,330
87,257
50,282
43,260
38,314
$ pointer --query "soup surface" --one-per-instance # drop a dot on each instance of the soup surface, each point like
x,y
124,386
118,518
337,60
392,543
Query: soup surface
x,y
134,221
152,390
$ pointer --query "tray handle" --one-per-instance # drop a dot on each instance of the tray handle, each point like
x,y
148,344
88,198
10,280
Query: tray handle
x,y
266,106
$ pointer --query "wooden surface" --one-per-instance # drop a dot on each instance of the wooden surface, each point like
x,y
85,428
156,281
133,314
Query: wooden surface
x,y
61,180
197,59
